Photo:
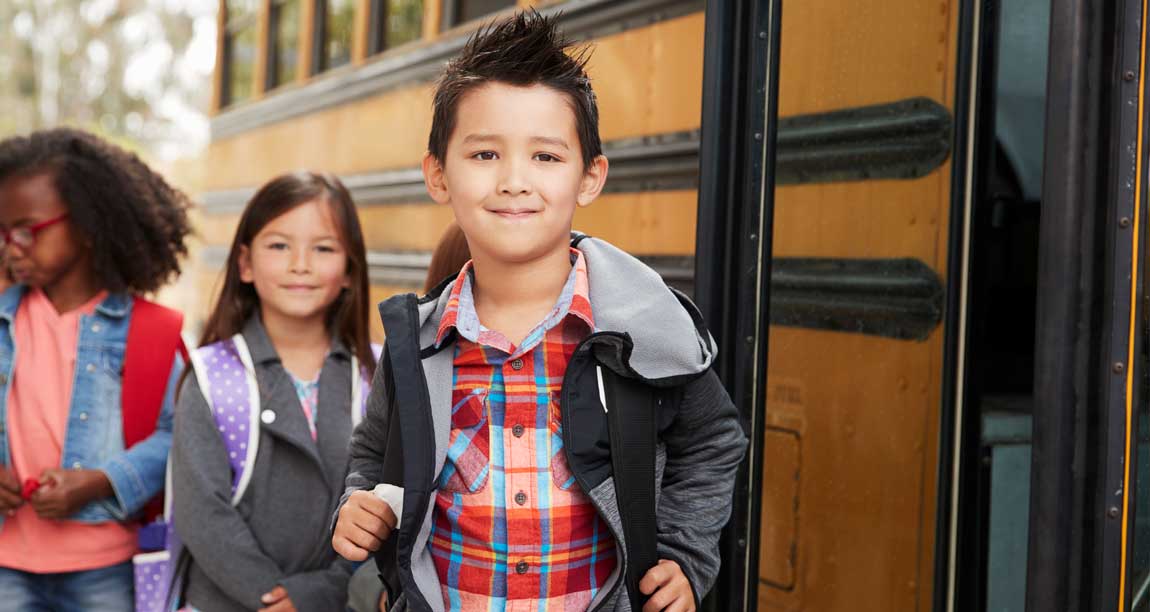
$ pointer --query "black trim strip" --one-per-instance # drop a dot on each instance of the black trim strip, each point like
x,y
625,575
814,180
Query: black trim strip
x,y
664,162
419,63
899,140
892,298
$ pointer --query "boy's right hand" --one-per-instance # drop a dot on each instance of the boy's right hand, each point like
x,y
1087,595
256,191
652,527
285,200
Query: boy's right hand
x,y
364,522
10,497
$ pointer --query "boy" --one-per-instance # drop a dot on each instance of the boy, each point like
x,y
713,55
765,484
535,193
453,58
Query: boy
x,y
494,404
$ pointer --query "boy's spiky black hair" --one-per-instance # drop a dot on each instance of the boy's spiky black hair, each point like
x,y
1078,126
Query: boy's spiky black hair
x,y
135,221
525,49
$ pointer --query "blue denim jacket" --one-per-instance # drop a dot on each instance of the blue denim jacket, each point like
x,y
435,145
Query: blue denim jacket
x,y
95,437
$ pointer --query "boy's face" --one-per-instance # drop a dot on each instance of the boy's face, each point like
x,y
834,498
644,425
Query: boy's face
x,y
514,172
57,250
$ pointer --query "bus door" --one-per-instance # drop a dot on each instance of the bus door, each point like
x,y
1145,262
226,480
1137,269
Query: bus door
x,y
914,228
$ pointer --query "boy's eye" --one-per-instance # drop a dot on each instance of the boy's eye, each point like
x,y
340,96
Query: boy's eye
x,y
323,248
484,156
546,157
278,246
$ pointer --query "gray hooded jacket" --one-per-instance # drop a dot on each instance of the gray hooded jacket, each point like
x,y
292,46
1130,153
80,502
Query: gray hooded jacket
x,y
645,332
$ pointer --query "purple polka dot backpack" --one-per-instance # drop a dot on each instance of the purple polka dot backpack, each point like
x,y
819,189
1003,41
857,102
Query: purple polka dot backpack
x,y
227,380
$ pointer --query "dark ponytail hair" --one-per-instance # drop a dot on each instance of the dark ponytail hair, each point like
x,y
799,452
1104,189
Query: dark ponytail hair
x,y
348,316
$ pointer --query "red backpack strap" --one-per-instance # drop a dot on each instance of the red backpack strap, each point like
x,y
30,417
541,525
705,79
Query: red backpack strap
x,y
153,339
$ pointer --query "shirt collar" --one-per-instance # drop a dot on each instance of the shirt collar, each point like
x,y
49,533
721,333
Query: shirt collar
x,y
573,300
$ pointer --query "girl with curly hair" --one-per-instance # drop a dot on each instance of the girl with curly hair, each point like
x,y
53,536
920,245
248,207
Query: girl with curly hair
x,y
85,229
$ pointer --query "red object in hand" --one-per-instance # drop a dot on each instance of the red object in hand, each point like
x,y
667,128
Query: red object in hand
x,y
30,487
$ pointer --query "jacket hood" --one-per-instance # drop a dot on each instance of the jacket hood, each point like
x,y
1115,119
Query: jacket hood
x,y
666,330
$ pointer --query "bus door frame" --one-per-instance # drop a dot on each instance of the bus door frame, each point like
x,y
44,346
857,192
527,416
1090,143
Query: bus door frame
x,y
733,250
1079,501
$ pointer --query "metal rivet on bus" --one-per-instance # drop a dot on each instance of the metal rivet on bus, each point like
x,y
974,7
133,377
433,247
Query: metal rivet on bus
x,y
1113,512
1118,367
742,543
762,35
753,237
1124,222
1128,75
758,135
750,339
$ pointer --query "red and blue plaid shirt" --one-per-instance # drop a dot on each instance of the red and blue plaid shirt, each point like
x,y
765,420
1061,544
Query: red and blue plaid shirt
x,y
511,528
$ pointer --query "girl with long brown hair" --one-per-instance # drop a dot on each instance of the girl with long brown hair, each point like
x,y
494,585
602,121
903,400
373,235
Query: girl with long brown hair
x,y
293,319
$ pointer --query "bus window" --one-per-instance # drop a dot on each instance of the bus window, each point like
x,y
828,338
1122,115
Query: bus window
x,y
338,20
394,23
239,49
858,284
283,28
463,11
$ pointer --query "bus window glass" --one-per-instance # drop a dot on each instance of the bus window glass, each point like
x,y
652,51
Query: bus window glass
x,y
466,10
240,50
339,28
859,264
395,22
284,56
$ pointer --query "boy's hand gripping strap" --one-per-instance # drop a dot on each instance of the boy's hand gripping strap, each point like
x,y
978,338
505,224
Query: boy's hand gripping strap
x,y
631,422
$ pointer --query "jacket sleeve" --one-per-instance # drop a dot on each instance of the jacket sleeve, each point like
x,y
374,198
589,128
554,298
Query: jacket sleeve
x,y
324,589
137,474
212,530
705,445
366,452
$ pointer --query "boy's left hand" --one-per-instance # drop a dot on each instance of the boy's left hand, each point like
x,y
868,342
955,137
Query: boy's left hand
x,y
668,587
63,492
277,600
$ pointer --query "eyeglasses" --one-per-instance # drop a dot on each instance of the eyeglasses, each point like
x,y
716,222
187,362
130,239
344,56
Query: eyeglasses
x,y
25,237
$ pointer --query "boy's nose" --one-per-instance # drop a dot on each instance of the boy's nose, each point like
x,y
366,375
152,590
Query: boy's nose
x,y
513,181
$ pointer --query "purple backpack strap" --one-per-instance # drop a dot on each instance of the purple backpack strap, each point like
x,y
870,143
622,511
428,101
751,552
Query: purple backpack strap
x,y
227,380
361,386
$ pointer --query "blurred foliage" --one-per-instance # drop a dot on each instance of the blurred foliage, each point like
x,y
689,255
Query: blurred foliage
x,y
117,67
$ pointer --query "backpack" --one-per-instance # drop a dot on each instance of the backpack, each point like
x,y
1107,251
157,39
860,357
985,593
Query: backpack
x,y
220,368
151,346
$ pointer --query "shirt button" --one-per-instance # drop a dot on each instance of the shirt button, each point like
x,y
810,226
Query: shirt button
x,y
77,465
521,567
517,364
83,416
517,430
521,498
91,367
96,328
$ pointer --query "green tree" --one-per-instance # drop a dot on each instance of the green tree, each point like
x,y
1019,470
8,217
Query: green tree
x,y
136,71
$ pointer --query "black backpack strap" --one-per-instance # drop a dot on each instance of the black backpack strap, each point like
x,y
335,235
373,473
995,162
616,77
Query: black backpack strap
x,y
631,420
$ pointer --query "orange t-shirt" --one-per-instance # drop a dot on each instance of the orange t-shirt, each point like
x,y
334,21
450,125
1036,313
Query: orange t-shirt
x,y
40,396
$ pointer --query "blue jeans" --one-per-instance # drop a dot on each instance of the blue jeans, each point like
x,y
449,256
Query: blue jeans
x,y
108,589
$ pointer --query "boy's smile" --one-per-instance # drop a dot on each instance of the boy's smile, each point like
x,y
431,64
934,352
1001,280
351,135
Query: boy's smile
x,y
514,172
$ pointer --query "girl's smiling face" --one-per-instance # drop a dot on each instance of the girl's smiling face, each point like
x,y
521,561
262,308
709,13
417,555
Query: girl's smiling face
x,y
58,252
297,263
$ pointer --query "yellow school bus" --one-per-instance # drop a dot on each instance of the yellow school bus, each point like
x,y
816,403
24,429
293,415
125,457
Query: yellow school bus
x,y
345,86
913,226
